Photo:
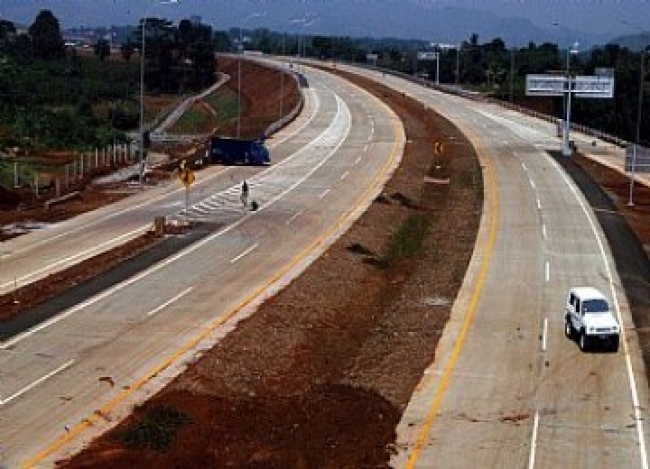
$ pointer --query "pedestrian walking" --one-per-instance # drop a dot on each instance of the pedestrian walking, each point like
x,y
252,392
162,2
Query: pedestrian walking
x,y
244,194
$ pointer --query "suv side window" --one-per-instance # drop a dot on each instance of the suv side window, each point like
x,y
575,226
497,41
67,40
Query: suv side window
x,y
572,299
578,307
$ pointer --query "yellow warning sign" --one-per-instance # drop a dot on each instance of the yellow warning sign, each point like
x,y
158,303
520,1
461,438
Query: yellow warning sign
x,y
186,176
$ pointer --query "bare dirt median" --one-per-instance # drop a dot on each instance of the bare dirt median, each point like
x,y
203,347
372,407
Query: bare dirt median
x,y
320,375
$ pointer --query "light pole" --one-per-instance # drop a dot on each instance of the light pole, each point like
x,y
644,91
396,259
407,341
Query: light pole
x,y
639,115
141,160
458,64
566,147
437,56
239,62
637,139
512,73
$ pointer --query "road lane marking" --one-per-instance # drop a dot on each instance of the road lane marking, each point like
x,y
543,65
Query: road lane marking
x,y
544,233
173,300
532,183
365,148
324,193
244,253
547,274
523,165
638,418
344,175
293,217
539,204
544,334
533,442
358,160
493,195
37,382
347,218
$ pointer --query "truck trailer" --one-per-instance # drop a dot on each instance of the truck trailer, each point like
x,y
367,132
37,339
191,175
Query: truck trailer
x,y
227,150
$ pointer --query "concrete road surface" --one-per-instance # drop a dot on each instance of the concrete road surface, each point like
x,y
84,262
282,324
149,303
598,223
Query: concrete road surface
x,y
507,389
66,380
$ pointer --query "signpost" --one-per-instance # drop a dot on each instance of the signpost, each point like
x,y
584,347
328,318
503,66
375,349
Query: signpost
x,y
597,86
187,177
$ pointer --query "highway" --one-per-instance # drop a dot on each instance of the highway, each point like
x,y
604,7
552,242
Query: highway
x,y
507,388
66,380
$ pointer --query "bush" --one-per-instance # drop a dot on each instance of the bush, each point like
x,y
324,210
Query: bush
x,y
157,428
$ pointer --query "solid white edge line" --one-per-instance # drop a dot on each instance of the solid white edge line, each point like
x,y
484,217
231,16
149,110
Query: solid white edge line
x,y
173,300
626,351
244,253
37,382
533,442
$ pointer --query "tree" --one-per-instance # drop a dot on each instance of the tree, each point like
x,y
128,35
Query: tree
x,y
46,36
127,51
102,49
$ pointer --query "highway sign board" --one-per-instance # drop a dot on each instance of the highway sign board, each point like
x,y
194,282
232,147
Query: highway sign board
x,y
641,162
596,86
427,55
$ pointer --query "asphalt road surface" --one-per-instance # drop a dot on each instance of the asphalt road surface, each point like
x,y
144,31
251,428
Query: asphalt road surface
x,y
69,378
507,388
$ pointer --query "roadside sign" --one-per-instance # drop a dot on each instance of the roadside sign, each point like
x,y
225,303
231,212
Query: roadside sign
x,y
427,55
597,86
438,148
186,176
641,162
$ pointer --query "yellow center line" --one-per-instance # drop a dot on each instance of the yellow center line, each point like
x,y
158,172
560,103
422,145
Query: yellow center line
x,y
449,368
347,217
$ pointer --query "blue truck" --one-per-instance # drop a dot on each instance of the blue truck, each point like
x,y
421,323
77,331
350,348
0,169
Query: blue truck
x,y
226,150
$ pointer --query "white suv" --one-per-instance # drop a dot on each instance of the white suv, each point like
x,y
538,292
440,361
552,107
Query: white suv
x,y
589,318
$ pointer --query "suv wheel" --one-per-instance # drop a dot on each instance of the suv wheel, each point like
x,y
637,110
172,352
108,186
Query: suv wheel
x,y
583,341
568,329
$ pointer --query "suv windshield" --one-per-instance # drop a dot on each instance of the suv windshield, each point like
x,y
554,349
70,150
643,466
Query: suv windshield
x,y
595,306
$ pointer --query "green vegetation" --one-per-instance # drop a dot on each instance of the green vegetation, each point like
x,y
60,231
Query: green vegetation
x,y
56,98
156,430
493,68
406,242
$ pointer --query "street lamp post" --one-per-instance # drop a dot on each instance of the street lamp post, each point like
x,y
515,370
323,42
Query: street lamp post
x,y
512,73
141,160
639,114
437,67
239,72
566,147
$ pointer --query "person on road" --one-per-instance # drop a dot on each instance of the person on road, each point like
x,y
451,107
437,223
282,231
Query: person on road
x,y
244,194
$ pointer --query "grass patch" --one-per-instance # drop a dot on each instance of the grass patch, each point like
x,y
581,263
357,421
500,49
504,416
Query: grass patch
x,y
195,120
407,241
156,430
224,102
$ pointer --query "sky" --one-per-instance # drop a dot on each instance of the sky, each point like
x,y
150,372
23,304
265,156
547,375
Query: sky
x,y
593,16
